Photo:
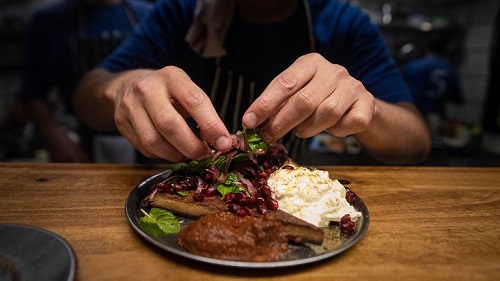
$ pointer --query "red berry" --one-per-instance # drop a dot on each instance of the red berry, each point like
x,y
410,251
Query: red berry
x,y
242,212
271,203
229,198
262,208
346,224
345,218
350,197
262,175
198,197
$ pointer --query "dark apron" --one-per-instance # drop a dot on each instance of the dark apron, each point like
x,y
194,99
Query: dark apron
x,y
231,92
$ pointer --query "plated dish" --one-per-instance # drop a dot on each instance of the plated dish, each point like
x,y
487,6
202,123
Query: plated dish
x,y
298,255
31,253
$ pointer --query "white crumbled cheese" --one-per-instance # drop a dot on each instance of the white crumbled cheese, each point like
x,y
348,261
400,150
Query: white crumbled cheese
x,y
311,195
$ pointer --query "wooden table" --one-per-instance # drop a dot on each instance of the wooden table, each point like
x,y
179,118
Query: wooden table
x,y
427,223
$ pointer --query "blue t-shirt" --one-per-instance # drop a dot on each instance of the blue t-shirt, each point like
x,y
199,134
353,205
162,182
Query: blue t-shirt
x,y
68,38
343,34
432,82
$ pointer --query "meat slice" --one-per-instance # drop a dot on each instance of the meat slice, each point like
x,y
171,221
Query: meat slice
x,y
186,206
297,230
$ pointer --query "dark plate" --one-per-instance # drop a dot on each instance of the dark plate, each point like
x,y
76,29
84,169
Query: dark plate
x,y
30,253
298,254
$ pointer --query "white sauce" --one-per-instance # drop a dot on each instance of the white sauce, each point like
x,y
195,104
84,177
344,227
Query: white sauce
x,y
311,195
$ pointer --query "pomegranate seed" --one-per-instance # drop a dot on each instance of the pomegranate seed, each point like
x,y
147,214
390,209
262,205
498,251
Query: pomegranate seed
x,y
191,182
211,190
346,224
347,227
288,167
262,208
229,198
271,203
243,202
345,218
350,197
198,197
252,202
208,177
262,175
266,191
240,195
242,212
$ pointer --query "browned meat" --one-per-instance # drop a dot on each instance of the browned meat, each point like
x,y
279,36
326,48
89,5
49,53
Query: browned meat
x,y
296,230
237,238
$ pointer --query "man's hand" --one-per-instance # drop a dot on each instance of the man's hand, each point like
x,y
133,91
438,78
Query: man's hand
x,y
311,96
314,95
150,112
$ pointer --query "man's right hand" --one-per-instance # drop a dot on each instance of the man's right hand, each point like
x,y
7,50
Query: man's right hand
x,y
149,109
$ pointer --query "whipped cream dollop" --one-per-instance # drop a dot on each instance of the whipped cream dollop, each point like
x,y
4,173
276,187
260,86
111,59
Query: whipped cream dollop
x,y
310,194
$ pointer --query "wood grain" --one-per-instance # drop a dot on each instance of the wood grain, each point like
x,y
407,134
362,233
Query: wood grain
x,y
427,223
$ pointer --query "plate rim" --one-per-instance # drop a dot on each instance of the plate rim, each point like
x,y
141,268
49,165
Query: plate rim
x,y
131,210
61,241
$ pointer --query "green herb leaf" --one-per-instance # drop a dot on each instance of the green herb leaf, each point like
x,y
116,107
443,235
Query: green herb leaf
x,y
219,162
159,222
254,140
182,193
224,189
231,178
191,165
229,185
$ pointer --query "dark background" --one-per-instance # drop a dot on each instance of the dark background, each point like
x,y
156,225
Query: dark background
x,y
471,26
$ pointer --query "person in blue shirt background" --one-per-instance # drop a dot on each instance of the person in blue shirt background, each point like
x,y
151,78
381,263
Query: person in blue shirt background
x,y
64,40
433,82
295,68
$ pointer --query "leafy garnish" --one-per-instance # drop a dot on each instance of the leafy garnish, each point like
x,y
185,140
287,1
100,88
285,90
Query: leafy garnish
x,y
229,185
182,193
192,165
159,222
240,169
219,162
254,140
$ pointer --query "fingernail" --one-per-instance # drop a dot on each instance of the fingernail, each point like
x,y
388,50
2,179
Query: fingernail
x,y
223,143
250,120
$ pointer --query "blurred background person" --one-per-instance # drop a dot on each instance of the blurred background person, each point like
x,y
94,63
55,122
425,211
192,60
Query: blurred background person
x,y
64,40
433,82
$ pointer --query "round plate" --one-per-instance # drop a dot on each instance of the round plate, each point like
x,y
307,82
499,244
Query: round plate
x,y
30,253
298,254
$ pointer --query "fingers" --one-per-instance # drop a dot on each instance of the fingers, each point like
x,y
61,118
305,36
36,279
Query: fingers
x,y
311,96
200,108
278,91
135,123
342,114
315,107
151,116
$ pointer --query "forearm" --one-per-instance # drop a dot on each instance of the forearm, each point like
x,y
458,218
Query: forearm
x,y
94,98
396,135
